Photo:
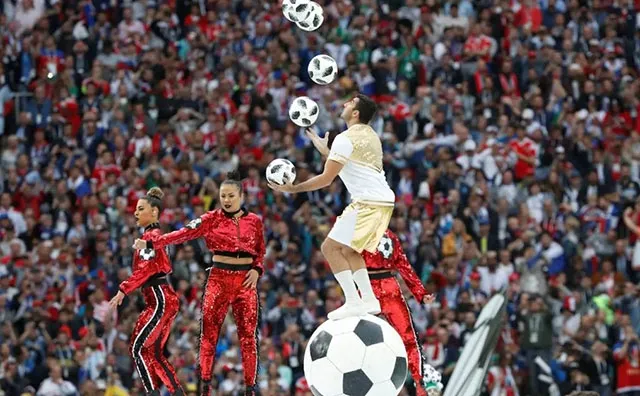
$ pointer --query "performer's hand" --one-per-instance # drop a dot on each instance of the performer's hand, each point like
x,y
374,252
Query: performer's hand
x,y
288,188
320,143
140,244
116,300
251,280
429,299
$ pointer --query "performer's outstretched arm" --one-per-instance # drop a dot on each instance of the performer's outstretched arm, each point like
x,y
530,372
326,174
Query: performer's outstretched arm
x,y
196,228
406,270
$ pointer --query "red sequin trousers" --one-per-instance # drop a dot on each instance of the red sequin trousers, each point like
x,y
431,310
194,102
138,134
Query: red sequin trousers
x,y
394,308
223,289
150,336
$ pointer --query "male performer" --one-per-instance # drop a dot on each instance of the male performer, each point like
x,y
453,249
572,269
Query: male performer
x,y
356,156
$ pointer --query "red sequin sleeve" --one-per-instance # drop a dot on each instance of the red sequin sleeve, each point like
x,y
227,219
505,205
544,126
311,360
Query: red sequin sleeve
x,y
258,262
195,229
144,270
405,269
146,263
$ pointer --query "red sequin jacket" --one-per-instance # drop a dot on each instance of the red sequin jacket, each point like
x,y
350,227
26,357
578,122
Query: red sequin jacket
x,y
147,263
390,256
223,234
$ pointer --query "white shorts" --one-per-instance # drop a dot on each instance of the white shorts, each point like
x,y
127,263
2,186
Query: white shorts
x,y
361,226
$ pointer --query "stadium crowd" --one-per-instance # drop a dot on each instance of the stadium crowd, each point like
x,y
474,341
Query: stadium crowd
x,y
512,139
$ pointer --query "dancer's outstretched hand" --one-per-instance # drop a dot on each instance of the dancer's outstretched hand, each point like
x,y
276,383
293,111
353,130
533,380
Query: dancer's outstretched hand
x,y
251,280
116,300
429,299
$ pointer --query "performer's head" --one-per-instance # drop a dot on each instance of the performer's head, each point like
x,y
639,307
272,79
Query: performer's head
x,y
149,207
359,110
231,193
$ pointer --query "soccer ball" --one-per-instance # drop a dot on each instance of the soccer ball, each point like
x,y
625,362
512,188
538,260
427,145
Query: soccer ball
x,y
323,69
314,20
355,356
432,378
385,247
281,171
296,10
303,111
147,254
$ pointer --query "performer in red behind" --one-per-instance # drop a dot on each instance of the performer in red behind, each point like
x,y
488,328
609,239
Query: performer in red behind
x,y
150,271
236,239
382,266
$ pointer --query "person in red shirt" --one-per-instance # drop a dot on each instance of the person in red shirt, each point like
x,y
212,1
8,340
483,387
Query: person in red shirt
x,y
381,265
236,238
150,271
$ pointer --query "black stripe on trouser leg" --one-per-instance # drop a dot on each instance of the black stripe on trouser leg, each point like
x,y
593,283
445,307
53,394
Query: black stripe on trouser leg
x,y
145,375
204,293
415,335
257,334
159,357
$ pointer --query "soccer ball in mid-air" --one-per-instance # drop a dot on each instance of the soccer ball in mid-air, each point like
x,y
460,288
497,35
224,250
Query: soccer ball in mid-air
x,y
303,111
386,247
314,20
358,356
281,171
296,10
323,69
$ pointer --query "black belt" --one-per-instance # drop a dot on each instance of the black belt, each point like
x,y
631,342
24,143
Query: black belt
x,y
230,267
232,254
381,275
157,281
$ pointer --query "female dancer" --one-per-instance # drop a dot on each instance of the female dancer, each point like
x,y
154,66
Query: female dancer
x,y
150,271
236,239
381,266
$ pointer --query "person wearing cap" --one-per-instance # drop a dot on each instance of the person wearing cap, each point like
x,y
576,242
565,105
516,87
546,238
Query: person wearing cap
x,y
382,266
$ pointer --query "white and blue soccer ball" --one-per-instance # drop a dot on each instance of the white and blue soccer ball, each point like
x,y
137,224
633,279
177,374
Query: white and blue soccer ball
x,y
358,356
304,111
296,10
281,171
322,69
314,20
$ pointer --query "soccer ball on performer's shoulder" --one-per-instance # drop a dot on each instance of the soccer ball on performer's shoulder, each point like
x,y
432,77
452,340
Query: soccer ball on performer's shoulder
x,y
358,356
281,171
296,10
322,69
303,111
314,20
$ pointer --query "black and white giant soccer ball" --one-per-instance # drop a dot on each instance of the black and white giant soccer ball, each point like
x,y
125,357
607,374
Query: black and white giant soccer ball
x,y
296,10
281,171
322,69
358,356
314,20
304,111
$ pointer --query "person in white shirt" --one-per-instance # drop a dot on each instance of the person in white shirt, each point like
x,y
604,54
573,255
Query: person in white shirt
x,y
55,385
355,156
493,278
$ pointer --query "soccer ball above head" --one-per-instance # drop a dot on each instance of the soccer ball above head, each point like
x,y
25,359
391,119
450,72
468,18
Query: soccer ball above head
x,y
281,171
322,69
314,20
303,111
296,10
358,356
